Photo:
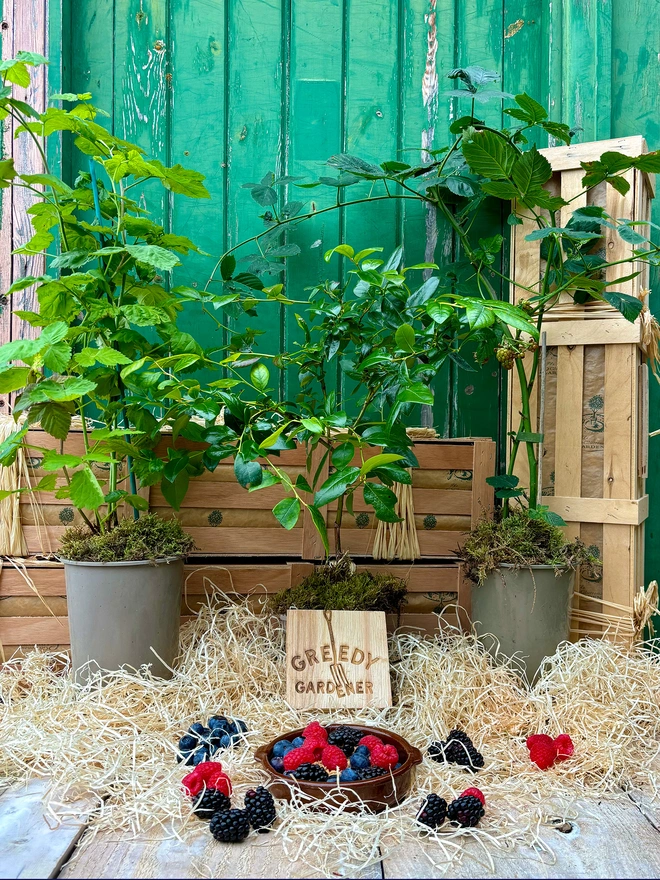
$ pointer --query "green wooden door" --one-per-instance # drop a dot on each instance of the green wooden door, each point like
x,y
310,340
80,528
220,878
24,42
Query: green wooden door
x,y
235,88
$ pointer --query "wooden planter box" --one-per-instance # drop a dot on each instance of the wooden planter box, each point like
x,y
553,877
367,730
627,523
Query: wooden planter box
x,y
26,620
595,428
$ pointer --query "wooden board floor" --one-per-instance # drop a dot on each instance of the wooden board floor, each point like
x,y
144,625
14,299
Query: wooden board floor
x,y
612,839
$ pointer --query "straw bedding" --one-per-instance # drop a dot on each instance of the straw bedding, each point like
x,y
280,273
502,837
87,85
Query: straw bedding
x,y
119,741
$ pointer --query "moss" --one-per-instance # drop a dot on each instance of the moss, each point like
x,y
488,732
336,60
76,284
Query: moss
x,y
520,541
340,588
149,537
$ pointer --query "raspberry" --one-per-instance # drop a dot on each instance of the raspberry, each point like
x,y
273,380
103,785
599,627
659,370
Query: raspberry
x,y
209,774
539,738
371,741
334,758
384,756
474,792
316,745
543,755
296,757
315,730
564,746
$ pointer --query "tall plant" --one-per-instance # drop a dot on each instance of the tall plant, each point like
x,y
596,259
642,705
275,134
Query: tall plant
x,y
482,163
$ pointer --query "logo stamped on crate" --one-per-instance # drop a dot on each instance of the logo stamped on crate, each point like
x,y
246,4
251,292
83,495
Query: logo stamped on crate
x,y
337,658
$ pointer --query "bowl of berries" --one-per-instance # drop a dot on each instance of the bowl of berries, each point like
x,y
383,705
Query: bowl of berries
x,y
358,765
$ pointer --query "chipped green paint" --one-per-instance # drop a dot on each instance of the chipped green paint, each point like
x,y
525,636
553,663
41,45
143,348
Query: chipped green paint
x,y
235,87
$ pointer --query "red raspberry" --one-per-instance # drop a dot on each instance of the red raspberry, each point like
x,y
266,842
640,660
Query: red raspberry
x,y
370,741
208,774
333,758
564,746
296,757
316,745
384,756
539,738
543,755
315,730
475,792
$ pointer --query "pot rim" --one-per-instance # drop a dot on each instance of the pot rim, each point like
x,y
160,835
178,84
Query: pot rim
x,y
413,757
535,566
161,560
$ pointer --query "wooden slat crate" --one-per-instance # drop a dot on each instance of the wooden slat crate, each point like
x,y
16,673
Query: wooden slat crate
x,y
596,407
26,621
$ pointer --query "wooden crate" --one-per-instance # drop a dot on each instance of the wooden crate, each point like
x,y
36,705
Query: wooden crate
x,y
27,620
595,428
449,488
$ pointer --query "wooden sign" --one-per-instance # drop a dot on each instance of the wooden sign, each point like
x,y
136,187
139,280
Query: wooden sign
x,y
337,659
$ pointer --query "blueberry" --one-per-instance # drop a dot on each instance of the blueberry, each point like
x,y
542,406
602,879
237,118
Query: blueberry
x,y
362,750
198,730
213,748
185,756
199,756
188,743
288,749
297,742
231,728
280,748
396,766
218,721
348,775
277,764
359,762
225,741
241,726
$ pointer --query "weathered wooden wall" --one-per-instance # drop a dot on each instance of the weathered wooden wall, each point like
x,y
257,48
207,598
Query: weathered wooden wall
x,y
237,88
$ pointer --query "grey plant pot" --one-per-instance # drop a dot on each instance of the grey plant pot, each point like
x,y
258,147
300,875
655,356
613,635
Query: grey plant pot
x,y
119,611
528,610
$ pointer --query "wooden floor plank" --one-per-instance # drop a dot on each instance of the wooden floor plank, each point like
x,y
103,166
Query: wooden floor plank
x,y
109,856
29,848
611,840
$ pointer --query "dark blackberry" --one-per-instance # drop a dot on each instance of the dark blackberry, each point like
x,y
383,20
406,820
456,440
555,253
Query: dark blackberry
x,y
370,773
347,738
460,735
436,751
210,802
310,773
433,812
260,807
230,826
466,811
456,752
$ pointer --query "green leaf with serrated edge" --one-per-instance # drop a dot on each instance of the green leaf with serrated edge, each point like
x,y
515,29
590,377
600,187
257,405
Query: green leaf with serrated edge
x,y
174,492
509,493
85,490
287,512
503,481
343,455
336,485
10,446
13,378
531,171
46,484
54,418
489,154
248,473
378,460
55,461
320,526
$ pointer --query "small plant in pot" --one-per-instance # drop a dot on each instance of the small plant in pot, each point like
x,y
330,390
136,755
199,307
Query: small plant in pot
x,y
106,357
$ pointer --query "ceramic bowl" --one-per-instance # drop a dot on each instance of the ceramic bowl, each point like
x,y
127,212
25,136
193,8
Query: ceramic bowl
x,y
376,794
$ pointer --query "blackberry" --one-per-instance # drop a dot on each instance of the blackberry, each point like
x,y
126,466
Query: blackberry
x,y
456,751
210,802
230,826
347,738
460,735
370,773
310,773
466,811
260,807
433,812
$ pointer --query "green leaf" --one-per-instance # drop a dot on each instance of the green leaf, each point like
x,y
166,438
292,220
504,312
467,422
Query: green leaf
x,y
55,418
629,234
391,473
19,350
440,312
416,392
530,172
503,481
287,512
314,426
629,306
227,266
405,337
181,180
110,357
13,378
378,460
378,496
10,446
356,166
248,473
535,112
47,483
154,256
344,250
56,357
478,315
514,317
343,455
85,490
489,154
268,479
424,293
301,483
319,523
175,491
54,461
259,376
137,501
336,485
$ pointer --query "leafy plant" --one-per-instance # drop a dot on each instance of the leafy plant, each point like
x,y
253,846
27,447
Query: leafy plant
x,y
149,537
107,349
481,163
